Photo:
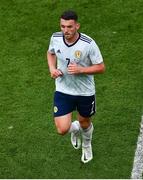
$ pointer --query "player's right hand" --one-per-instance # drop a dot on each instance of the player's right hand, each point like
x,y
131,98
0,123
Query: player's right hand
x,y
56,73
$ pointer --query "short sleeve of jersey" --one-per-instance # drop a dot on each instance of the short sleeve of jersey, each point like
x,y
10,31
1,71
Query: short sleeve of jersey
x,y
51,46
95,54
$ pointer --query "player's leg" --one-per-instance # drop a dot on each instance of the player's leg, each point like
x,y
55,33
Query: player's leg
x,y
86,109
75,134
86,132
63,107
63,123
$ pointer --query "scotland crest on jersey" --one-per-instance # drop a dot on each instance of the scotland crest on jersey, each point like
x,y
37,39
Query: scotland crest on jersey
x,y
78,54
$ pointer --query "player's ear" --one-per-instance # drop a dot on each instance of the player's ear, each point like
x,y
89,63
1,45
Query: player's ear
x,y
77,26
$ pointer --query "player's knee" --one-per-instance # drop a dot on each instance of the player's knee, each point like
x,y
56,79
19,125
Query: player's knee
x,y
85,123
62,131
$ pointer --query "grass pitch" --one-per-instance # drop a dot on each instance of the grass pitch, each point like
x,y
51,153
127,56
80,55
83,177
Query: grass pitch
x,y
29,144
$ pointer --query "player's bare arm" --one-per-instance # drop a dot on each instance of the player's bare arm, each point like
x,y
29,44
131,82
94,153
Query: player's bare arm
x,y
74,68
52,62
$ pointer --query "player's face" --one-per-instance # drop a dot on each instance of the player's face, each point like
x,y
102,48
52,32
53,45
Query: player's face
x,y
69,28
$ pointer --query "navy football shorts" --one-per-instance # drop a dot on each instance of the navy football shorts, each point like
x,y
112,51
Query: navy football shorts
x,y
64,104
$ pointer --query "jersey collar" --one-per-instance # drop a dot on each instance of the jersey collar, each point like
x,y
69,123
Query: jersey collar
x,y
69,45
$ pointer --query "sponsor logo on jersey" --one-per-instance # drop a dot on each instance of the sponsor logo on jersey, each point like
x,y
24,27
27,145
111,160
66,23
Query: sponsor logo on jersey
x,y
58,51
78,54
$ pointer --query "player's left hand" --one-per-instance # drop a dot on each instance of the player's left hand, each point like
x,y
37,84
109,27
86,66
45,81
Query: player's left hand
x,y
74,68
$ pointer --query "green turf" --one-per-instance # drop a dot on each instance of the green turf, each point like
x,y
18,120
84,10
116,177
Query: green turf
x,y
29,144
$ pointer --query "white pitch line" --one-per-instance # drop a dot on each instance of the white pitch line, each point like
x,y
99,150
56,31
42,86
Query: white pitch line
x,y
137,170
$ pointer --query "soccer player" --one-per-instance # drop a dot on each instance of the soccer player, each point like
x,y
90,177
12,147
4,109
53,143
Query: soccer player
x,y
73,59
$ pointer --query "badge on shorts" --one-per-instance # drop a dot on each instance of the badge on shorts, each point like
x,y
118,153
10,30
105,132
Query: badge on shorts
x,y
55,109
78,54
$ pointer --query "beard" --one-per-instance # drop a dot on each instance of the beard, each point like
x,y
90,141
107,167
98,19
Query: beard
x,y
69,35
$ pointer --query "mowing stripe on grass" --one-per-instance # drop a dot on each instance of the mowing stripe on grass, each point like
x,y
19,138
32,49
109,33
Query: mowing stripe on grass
x,y
137,170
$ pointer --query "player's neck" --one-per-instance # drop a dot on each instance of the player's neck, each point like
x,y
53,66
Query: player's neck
x,y
73,39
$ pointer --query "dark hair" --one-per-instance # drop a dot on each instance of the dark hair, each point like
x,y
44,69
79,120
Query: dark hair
x,y
69,15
